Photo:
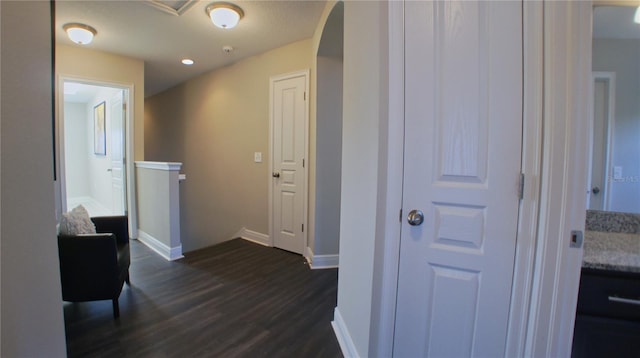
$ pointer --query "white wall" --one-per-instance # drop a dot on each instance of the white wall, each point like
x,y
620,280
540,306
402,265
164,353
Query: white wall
x,y
623,58
98,165
87,174
364,111
31,320
75,154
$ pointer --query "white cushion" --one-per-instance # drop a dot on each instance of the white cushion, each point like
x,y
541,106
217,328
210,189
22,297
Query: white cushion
x,y
77,222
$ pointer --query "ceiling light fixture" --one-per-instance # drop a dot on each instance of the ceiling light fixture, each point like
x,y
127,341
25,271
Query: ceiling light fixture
x,y
80,33
636,18
224,15
187,61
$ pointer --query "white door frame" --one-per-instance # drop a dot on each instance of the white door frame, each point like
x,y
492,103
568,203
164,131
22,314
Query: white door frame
x,y
132,211
547,271
610,79
305,169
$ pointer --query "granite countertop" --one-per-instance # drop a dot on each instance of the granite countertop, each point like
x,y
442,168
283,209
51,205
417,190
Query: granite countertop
x,y
611,251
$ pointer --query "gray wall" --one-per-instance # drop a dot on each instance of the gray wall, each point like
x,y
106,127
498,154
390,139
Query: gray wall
x,y
325,238
31,321
623,58
213,124
328,156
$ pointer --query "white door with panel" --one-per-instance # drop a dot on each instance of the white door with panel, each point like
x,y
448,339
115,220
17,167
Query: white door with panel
x,y
117,134
463,135
289,113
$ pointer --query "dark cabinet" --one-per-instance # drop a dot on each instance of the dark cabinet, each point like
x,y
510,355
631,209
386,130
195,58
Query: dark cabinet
x,y
608,315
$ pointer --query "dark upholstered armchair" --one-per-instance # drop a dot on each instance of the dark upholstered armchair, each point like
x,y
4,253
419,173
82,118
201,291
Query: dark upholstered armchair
x,y
94,267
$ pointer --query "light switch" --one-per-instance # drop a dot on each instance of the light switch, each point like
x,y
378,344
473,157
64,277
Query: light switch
x,y
617,173
257,157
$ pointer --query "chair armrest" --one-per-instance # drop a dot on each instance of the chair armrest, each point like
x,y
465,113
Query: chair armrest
x,y
88,263
119,225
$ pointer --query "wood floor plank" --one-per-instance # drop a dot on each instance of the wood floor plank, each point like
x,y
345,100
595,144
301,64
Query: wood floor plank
x,y
236,299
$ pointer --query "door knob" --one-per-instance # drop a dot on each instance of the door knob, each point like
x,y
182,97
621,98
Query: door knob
x,y
275,175
415,217
595,190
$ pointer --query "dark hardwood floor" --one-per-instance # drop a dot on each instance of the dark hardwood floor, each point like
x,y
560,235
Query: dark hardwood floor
x,y
236,299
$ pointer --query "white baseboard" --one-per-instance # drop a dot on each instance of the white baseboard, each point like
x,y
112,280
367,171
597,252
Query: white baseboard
x,y
169,253
253,236
319,262
343,336
308,254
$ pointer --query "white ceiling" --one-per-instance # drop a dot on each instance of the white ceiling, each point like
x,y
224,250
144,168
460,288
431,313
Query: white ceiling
x,y
615,22
163,32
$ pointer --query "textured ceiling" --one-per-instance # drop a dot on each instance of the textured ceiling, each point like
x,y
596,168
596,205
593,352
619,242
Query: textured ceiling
x,y
163,33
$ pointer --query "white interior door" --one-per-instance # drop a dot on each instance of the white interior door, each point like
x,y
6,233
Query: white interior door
x,y
118,114
602,114
289,120
463,127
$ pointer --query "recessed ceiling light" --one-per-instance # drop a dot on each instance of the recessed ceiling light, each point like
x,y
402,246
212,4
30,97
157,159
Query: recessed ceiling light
x,y
80,33
187,61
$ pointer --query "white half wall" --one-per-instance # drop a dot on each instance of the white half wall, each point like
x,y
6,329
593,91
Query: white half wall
x,y
158,190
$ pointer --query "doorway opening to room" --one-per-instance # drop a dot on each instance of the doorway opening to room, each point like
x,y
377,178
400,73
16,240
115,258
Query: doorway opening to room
x,y
94,147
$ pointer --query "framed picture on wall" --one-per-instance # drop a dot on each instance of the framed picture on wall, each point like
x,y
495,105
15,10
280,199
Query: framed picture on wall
x,y
99,130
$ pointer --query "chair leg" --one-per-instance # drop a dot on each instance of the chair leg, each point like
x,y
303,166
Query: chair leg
x,y
116,308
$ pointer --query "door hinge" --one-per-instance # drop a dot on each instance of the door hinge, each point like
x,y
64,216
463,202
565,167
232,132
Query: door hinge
x,y
302,227
521,187
303,162
304,96
400,216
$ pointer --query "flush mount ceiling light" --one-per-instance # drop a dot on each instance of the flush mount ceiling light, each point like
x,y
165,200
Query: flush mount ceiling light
x,y
224,15
80,33
187,61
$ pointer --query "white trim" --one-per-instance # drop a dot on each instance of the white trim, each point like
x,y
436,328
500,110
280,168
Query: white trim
x,y
308,254
610,79
343,336
321,262
305,169
169,166
170,10
132,204
385,276
531,165
169,253
253,236
567,63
